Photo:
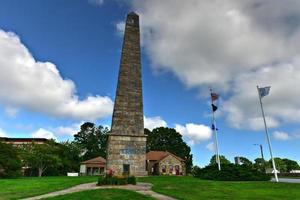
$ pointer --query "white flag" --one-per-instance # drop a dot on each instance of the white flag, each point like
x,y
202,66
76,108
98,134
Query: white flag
x,y
264,91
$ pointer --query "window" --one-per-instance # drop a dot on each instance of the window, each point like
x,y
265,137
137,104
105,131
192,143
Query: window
x,y
171,169
126,169
163,168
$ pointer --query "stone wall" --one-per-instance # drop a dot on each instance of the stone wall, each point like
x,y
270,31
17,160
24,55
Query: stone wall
x,y
128,118
126,141
168,162
127,150
171,161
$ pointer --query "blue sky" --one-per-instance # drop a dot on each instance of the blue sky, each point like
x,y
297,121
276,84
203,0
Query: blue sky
x,y
59,62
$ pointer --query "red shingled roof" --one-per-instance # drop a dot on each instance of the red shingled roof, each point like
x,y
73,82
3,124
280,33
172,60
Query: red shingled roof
x,y
97,160
6,139
159,155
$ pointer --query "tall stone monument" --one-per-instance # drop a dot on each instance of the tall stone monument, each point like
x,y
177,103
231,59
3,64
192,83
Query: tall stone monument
x,y
126,151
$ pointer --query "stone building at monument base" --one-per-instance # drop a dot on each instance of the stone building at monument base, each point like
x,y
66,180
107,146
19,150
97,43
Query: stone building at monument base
x,y
126,155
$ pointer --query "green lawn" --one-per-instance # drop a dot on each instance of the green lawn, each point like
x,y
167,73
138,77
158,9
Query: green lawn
x,y
103,194
26,187
177,187
196,189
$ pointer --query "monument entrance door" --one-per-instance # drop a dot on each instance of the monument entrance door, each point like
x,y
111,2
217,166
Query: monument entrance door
x,y
126,169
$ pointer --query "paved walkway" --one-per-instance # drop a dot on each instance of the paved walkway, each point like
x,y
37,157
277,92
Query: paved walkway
x,y
287,180
142,188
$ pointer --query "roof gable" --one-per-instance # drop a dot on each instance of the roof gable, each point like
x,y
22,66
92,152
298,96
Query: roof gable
x,y
97,160
159,155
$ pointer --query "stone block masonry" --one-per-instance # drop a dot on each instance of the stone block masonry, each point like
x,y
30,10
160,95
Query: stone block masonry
x,y
126,152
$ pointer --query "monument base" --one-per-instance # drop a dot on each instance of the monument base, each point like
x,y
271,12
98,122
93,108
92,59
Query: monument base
x,y
126,154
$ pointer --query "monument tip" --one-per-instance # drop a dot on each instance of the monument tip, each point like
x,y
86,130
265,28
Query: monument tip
x,y
133,14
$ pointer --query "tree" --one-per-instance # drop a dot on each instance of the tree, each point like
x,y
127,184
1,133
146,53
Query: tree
x,y
290,164
168,139
245,161
10,163
69,153
41,156
280,164
92,140
195,170
223,160
261,164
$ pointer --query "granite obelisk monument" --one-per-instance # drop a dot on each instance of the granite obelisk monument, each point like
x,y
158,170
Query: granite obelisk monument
x,y
126,151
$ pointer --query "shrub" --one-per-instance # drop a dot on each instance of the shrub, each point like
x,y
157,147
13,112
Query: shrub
x,y
231,172
10,163
195,170
131,180
116,180
289,174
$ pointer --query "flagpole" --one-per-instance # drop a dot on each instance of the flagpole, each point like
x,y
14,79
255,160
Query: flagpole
x,y
267,134
217,145
216,136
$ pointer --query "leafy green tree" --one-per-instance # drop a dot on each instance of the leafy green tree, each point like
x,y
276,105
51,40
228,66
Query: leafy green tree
x,y
283,165
69,153
280,165
245,161
41,156
195,170
223,160
261,164
92,140
290,164
10,163
168,139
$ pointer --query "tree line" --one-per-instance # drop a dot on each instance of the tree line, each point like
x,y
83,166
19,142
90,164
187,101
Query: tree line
x,y
52,158
284,165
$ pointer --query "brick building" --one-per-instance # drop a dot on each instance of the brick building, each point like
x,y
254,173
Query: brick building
x,y
21,141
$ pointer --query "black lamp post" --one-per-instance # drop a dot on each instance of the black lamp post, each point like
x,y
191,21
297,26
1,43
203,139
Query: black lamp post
x,y
262,154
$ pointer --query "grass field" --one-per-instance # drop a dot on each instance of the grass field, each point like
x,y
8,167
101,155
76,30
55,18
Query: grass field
x,y
178,187
196,189
26,187
107,194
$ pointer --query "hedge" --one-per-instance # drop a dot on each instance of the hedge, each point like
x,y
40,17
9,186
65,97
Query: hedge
x,y
116,180
231,172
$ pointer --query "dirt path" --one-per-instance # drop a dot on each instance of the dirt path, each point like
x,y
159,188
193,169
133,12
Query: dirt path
x,y
142,188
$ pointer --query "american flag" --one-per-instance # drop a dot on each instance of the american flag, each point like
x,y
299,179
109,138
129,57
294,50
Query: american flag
x,y
214,96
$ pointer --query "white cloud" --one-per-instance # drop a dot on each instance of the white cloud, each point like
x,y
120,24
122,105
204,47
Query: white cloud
x,y
96,2
68,130
120,26
2,133
154,122
195,133
11,112
281,105
43,133
211,146
38,86
233,46
280,135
